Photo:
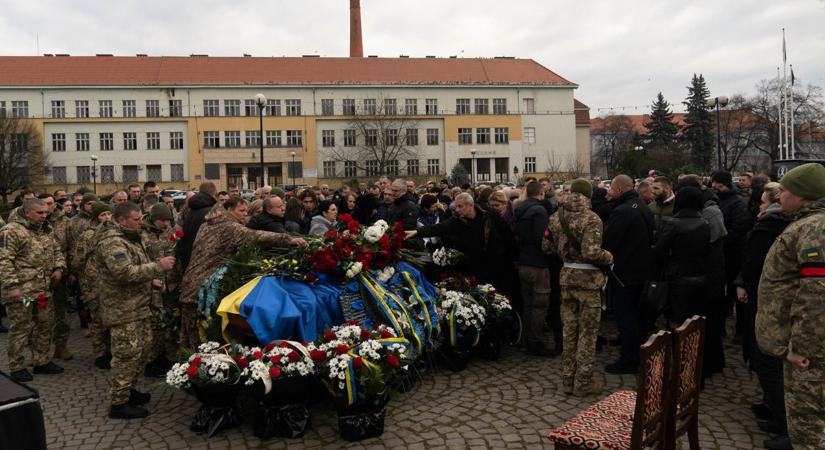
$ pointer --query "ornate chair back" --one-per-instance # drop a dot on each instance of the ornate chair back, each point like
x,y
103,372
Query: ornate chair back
x,y
652,393
685,381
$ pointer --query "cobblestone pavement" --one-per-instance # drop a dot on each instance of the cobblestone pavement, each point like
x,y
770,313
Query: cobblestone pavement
x,y
510,403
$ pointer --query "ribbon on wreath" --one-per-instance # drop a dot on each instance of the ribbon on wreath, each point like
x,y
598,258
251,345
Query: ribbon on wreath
x,y
424,305
379,293
452,328
350,380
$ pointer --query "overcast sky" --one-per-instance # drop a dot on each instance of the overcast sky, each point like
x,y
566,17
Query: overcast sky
x,y
620,53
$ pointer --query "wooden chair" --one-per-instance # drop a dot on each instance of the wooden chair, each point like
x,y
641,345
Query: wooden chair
x,y
627,419
685,381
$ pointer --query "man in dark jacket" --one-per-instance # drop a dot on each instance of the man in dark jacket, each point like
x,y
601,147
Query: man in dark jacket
x,y
271,218
404,208
628,235
531,221
197,208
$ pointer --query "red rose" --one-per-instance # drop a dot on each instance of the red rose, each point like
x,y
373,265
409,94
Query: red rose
x,y
293,356
274,372
365,334
353,227
269,347
357,363
547,234
41,297
179,234
341,349
345,218
257,355
275,359
399,227
283,344
196,361
329,336
317,355
331,234
243,362
385,334
392,360
172,238
42,304
236,357
354,322
384,243
192,371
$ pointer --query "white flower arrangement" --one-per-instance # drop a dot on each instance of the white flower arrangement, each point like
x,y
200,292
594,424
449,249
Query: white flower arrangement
x,y
385,274
354,269
446,256
467,312
204,368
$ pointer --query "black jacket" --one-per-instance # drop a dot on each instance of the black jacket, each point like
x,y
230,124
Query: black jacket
x,y
683,246
759,241
404,210
531,221
267,222
628,234
738,223
199,205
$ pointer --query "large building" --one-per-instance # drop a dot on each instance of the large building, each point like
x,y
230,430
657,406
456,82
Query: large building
x,y
184,120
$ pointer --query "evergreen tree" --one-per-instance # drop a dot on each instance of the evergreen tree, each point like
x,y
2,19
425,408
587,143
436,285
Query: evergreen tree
x,y
459,175
661,130
698,132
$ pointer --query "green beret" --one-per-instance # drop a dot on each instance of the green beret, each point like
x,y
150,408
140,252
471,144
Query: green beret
x,y
88,197
582,186
806,181
278,191
100,207
160,211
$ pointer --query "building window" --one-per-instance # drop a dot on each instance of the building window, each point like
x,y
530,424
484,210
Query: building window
x,y
105,108
350,169
371,137
107,141
81,108
329,169
293,107
465,136
410,106
82,142
175,108
232,139
250,108
19,108
392,167
152,108
482,135
211,139
349,138
327,107
58,108
129,141
529,135
371,167
502,135
295,169
431,106
482,106
432,136
130,174
390,107
294,138
59,175
499,106
176,140
58,142
153,140
391,137
529,106
2,108
153,172
348,106
211,108
529,164
176,172
412,167
84,175
273,138
213,171
369,106
107,174
328,138
433,167
273,108
252,138
462,106
232,108
412,136
129,108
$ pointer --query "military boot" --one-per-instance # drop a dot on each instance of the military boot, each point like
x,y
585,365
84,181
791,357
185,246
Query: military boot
x,y
127,411
137,398
594,388
62,352
49,368
104,362
21,376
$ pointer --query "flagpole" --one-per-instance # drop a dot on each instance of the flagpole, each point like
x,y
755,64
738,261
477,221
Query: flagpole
x,y
785,91
779,110
793,149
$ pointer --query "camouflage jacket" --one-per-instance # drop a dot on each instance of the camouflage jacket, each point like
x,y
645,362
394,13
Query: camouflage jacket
x,y
124,285
60,225
76,227
791,315
28,256
220,236
85,262
586,228
158,244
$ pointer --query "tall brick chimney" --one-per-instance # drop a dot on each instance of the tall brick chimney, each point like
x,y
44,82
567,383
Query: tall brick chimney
x,y
356,47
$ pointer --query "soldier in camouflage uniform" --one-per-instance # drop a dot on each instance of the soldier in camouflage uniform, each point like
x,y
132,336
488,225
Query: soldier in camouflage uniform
x,y
60,292
79,223
89,276
792,326
127,277
30,262
575,234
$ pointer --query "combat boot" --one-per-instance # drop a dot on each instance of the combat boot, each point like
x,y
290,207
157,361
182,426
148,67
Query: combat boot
x,y
127,411
594,388
49,368
567,386
137,398
104,362
21,376
62,352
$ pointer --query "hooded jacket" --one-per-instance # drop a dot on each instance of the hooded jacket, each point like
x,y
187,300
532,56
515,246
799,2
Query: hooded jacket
x,y
197,208
627,236
531,221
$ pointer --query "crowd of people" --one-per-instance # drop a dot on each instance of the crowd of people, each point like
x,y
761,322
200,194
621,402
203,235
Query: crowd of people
x,y
649,252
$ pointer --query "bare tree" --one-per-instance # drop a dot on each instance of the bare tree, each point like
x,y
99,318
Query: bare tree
x,y
22,160
615,136
575,168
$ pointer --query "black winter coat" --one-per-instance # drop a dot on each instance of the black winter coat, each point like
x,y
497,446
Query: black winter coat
x,y
404,210
199,205
531,221
267,222
628,235
738,223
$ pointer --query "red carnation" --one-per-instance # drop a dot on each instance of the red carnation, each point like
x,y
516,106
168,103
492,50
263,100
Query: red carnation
x,y
384,243
354,322
293,356
365,334
353,227
274,372
41,297
392,360
385,334
269,347
275,359
331,234
236,357
179,234
341,349
172,238
42,304
257,355
196,361
243,362
399,227
547,234
283,344
317,355
192,371
357,363
329,336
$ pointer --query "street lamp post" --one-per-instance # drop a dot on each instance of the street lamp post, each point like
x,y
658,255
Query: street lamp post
x,y
718,102
515,174
292,170
473,166
94,173
260,100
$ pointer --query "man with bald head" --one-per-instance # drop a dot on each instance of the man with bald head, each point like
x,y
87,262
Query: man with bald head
x,y
628,235
272,216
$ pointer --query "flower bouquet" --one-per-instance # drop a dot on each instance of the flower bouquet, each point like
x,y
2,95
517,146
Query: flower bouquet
x,y
447,257
37,303
464,321
499,317
360,367
215,379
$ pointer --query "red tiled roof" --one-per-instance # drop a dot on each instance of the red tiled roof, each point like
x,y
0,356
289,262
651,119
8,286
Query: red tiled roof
x,y
638,120
582,112
202,70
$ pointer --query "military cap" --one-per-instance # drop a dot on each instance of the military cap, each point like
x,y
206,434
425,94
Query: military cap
x,y
806,181
100,207
160,211
582,186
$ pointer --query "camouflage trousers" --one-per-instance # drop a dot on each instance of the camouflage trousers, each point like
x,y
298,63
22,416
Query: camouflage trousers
x,y
805,404
130,348
190,337
98,333
60,298
29,330
535,292
580,316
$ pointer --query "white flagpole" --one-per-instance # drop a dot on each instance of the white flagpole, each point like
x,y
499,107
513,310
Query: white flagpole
x,y
785,92
793,149
779,110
